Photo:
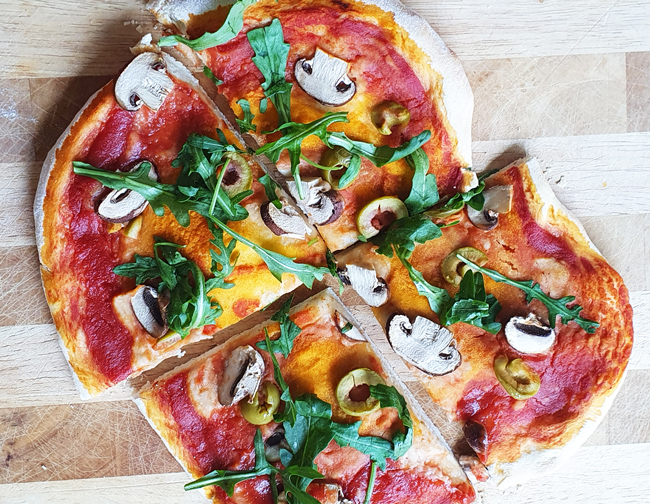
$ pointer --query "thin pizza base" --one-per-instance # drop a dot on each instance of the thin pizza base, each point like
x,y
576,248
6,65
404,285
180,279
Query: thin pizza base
x,y
603,295
432,83
60,283
429,452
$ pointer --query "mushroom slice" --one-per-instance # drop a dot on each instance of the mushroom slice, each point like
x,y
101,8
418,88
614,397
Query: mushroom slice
x,y
123,205
528,335
497,200
274,443
242,375
425,344
285,221
321,203
149,309
373,290
145,80
325,78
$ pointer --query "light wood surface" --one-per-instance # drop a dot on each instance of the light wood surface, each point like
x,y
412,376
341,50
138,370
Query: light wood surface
x,y
567,81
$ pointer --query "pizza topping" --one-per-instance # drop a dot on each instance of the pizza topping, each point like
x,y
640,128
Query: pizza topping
x,y
150,310
122,205
238,176
425,344
353,392
476,436
528,335
516,377
450,264
284,221
347,328
321,204
263,405
379,214
325,78
343,167
242,375
144,81
468,181
497,200
274,443
364,281
389,114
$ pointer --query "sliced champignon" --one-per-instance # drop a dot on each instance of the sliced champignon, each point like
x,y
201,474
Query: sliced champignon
x,y
149,309
274,443
373,290
468,181
123,205
145,80
347,328
242,375
476,436
497,200
425,344
285,221
325,78
528,335
321,203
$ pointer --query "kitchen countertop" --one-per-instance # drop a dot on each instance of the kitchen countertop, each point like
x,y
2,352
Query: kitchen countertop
x,y
567,81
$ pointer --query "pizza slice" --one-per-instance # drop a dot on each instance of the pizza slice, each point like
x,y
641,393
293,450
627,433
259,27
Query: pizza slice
x,y
511,319
354,101
134,270
301,407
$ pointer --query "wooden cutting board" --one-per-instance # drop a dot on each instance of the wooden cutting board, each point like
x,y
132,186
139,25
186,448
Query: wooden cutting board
x,y
567,81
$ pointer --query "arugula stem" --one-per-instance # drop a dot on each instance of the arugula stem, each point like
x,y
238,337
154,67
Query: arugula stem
x,y
371,482
320,167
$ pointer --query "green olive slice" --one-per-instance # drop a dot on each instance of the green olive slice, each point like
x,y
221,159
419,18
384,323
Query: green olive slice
x,y
379,214
517,377
339,159
353,392
453,269
238,177
260,410
442,214
388,114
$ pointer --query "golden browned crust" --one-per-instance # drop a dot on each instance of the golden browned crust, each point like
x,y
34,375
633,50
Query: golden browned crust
x,y
588,369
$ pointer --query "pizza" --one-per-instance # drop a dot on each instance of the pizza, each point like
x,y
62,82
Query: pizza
x,y
372,70
82,237
527,389
211,410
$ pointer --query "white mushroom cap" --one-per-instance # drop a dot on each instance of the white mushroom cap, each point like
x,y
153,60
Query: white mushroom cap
x,y
144,80
528,335
242,375
122,205
425,344
325,79
364,281
285,221
497,200
320,203
149,310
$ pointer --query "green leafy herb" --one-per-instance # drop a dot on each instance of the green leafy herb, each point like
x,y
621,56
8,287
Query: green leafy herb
x,y
222,263
347,327
231,27
404,233
271,54
289,331
312,242
208,73
472,306
371,482
331,265
556,307
182,281
437,297
246,124
289,415
424,190
270,188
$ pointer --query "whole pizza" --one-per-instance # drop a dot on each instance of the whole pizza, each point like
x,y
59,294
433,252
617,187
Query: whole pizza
x,y
342,148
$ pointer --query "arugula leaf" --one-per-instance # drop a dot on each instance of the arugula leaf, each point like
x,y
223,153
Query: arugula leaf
x,y
351,172
474,198
271,54
208,73
228,479
222,263
246,124
289,415
270,187
371,482
288,331
472,306
556,307
424,190
231,27
142,269
389,397
404,233
331,265
438,298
